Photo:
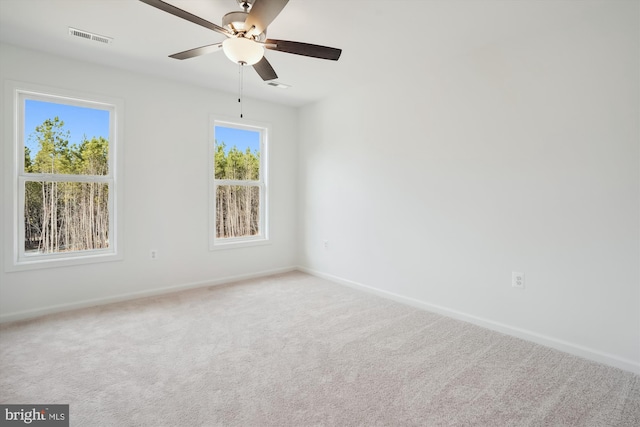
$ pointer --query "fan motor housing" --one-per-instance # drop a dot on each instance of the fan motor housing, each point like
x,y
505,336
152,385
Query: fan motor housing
x,y
234,21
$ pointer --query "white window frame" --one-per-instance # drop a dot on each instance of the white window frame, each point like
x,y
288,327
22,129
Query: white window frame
x,y
15,177
262,238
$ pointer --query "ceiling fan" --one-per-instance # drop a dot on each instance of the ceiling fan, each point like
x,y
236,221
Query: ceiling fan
x,y
246,33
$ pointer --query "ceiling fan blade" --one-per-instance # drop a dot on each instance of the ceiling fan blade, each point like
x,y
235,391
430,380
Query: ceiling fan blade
x,y
192,53
169,8
305,49
265,70
262,13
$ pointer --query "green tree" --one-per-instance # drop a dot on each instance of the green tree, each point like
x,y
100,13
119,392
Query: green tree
x,y
54,155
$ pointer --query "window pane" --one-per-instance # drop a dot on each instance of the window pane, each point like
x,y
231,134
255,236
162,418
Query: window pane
x,y
237,154
65,139
237,211
65,216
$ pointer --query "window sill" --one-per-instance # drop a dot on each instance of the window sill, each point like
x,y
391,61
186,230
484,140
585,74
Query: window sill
x,y
54,262
221,244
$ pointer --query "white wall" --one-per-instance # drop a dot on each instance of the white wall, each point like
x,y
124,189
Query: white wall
x,y
165,189
433,180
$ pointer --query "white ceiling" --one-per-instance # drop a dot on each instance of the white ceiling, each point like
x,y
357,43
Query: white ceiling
x,y
382,40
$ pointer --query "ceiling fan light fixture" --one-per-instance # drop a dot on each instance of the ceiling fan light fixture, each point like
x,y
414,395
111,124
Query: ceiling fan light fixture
x,y
242,50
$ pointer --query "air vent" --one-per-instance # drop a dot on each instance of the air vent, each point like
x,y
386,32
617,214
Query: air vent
x,y
278,85
90,36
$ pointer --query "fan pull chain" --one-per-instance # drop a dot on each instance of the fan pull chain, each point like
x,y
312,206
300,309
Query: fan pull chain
x,y
240,75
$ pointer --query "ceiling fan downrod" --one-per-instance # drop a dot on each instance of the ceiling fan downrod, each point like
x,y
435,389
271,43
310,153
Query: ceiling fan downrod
x,y
244,5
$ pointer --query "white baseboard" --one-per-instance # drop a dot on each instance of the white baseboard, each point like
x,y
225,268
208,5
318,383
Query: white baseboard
x,y
558,344
28,314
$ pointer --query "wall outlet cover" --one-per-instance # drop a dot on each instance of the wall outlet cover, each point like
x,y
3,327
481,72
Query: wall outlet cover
x,y
517,280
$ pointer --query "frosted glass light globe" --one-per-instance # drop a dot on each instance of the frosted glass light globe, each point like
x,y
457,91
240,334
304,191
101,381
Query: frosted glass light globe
x,y
242,50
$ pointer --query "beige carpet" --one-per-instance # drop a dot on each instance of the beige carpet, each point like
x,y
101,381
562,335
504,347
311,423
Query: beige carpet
x,y
295,350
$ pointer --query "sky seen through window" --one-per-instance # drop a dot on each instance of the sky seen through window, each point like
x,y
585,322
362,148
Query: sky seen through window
x,y
81,122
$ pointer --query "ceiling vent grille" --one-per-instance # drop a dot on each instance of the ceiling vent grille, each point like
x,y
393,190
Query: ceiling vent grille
x,y
90,36
278,85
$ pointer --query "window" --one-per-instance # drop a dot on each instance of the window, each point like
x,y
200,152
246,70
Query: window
x,y
238,196
65,186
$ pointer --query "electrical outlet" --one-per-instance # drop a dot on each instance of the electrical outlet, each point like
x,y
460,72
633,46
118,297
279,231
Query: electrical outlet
x,y
154,254
326,244
517,280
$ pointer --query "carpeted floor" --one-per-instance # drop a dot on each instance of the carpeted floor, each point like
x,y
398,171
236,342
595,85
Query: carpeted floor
x,y
296,350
